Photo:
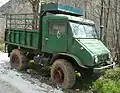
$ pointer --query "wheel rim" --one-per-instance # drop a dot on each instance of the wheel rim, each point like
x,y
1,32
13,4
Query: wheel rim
x,y
58,75
14,61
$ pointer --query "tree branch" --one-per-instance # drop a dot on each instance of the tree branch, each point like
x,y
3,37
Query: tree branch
x,y
31,1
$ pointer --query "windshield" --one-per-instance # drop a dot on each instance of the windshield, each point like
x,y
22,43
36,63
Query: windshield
x,y
83,31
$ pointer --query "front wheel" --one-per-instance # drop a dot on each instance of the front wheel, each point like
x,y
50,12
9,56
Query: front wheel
x,y
63,73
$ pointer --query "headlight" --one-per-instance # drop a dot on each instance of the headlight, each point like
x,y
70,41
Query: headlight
x,y
96,59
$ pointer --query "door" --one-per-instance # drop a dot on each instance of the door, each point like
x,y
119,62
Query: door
x,y
56,36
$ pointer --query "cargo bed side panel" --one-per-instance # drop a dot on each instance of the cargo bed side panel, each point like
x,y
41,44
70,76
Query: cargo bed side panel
x,y
27,39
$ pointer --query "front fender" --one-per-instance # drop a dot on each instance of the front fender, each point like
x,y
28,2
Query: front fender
x,y
75,58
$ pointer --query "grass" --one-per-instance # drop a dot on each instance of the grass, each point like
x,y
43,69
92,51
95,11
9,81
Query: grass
x,y
109,82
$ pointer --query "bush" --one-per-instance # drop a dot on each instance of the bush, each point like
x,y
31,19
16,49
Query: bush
x,y
109,82
113,74
106,86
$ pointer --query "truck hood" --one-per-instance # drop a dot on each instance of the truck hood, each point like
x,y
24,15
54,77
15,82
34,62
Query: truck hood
x,y
94,46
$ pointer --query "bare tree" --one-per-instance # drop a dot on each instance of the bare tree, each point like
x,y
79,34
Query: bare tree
x,y
106,20
35,6
101,19
35,9
118,35
117,48
86,4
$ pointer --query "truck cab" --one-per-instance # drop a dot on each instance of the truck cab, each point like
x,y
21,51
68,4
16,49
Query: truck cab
x,y
63,40
73,35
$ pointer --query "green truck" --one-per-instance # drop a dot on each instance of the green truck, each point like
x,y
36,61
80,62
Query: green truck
x,y
58,37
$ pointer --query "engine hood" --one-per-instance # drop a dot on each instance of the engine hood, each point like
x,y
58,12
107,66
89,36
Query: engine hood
x,y
94,46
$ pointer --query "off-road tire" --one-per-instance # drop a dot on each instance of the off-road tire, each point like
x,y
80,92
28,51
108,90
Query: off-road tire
x,y
18,61
68,71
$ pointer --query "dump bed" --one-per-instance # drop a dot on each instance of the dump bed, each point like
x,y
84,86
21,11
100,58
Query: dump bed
x,y
22,30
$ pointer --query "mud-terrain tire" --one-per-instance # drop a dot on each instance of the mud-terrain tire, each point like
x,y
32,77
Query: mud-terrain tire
x,y
63,73
18,61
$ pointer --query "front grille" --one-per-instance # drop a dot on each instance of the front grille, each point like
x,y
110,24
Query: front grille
x,y
103,58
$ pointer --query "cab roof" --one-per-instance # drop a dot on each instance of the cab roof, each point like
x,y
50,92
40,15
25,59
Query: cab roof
x,y
77,19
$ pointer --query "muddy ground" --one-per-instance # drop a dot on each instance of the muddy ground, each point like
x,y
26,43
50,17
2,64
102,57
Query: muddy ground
x,y
31,81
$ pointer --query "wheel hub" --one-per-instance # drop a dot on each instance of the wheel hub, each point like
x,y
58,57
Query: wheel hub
x,y
59,76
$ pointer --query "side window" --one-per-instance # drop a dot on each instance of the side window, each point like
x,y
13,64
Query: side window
x,y
55,27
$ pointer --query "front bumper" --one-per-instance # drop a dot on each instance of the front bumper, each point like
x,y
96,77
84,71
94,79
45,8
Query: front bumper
x,y
100,69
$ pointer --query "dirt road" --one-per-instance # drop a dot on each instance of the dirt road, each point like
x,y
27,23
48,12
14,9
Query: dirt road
x,y
7,88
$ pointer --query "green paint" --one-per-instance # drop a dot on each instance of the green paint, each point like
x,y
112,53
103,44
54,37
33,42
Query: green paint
x,y
54,42
67,9
59,36
21,38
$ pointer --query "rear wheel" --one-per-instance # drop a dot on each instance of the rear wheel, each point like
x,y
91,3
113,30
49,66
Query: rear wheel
x,y
63,74
18,60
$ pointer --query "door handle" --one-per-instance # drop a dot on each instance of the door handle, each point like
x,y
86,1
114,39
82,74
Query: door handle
x,y
46,39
